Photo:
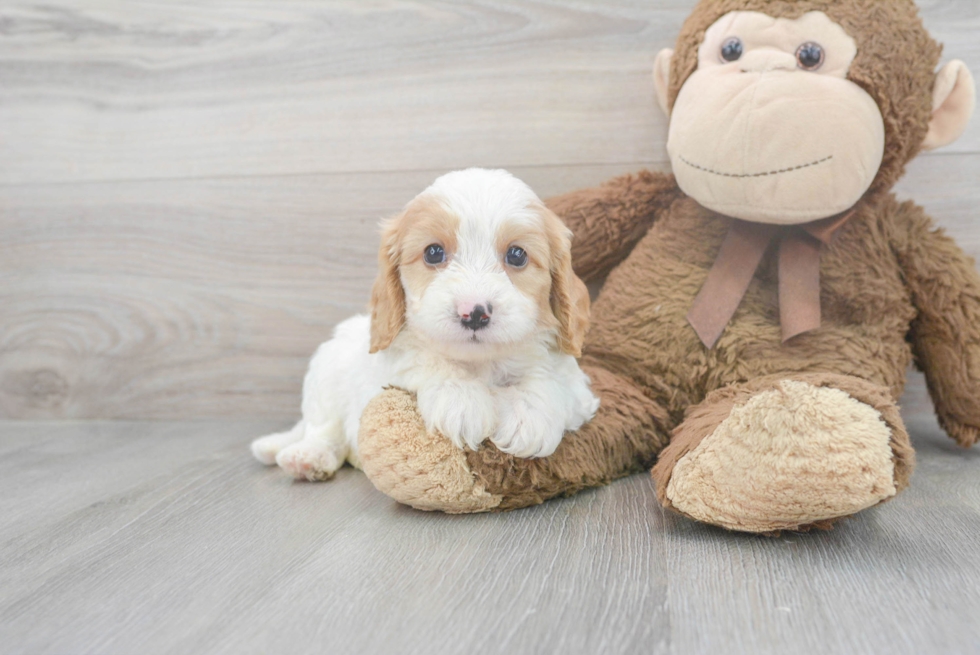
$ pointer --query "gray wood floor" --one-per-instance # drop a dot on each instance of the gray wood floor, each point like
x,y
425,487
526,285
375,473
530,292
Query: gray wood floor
x,y
165,537
188,195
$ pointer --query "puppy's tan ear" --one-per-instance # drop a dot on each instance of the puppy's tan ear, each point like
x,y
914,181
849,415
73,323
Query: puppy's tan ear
x,y
569,295
388,295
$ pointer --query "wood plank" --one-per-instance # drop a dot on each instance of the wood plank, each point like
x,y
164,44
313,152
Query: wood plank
x,y
946,186
206,298
187,298
165,537
112,90
160,296
212,553
55,473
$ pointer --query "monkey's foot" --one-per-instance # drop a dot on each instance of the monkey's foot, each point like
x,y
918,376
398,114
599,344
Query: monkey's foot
x,y
414,466
786,454
427,471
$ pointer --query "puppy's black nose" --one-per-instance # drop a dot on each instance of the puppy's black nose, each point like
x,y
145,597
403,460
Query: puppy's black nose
x,y
477,318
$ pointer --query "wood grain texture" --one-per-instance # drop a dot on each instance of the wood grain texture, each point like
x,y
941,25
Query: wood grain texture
x,y
123,537
117,90
147,90
188,298
188,190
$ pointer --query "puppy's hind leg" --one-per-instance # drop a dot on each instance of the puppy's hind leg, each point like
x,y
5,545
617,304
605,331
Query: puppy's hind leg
x,y
266,448
317,457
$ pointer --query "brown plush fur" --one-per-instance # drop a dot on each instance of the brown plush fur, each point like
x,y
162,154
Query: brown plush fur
x,y
893,289
625,437
945,289
640,335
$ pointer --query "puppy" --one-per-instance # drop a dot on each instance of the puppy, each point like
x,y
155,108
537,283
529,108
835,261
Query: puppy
x,y
476,310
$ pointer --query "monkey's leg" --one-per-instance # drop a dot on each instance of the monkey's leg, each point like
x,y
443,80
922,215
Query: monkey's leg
x,y
427,472
786,452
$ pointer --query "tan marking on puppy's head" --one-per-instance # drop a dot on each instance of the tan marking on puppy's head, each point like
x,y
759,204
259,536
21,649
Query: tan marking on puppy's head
x,y
562,298
404,239
427,222
475,217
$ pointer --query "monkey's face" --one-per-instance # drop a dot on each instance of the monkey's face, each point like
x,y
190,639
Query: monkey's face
x,y
769,128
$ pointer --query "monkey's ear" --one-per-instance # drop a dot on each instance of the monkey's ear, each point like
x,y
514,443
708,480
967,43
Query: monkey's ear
x,y
954,97
661,79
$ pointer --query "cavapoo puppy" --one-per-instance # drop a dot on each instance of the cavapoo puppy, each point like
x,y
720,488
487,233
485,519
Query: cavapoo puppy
x,y
476,310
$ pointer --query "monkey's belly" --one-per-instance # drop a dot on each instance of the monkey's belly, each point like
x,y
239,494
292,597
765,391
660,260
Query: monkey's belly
x,y
640,328
639,325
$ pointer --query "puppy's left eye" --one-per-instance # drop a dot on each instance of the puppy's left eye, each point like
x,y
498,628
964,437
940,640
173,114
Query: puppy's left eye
x,y
516,257
434,255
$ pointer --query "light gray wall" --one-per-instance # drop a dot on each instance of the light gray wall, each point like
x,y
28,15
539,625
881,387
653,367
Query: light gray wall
x,y
189,190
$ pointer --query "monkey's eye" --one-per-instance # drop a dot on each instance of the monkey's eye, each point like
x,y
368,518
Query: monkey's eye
x,y
731,50
810,56
516,257
434,254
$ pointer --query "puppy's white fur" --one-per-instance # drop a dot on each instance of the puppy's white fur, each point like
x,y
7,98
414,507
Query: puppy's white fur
x,y
515,381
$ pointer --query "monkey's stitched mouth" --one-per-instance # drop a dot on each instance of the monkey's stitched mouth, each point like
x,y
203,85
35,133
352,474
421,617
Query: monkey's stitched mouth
x,y
746,175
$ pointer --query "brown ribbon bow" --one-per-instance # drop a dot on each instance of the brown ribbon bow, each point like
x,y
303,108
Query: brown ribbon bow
x,y
738,259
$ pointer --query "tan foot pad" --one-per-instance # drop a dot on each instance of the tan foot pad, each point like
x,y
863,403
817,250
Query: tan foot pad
x,y
790,456
414,467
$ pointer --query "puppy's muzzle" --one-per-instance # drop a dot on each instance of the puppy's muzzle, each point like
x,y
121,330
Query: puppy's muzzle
x,y
475,317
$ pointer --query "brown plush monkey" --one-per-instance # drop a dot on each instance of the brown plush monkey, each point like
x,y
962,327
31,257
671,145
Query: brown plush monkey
x,y
761,308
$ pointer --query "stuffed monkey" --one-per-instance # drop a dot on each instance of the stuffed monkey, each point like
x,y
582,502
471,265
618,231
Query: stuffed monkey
x,y
763,303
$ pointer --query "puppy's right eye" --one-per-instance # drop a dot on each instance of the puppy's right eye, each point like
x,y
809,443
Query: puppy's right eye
x,y
434,255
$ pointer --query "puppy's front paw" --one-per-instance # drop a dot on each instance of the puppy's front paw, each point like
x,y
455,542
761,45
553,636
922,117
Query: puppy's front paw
x,y
462,411
525,428
310,460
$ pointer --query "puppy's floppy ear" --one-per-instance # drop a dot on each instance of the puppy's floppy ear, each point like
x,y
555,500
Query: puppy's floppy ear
x,y
569,295
388,295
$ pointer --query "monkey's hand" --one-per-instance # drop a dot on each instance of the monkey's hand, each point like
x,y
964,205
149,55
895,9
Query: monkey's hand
x,y
607,221
945,288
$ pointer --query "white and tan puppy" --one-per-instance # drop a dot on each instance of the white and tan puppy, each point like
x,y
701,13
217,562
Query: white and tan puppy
x,y
476,310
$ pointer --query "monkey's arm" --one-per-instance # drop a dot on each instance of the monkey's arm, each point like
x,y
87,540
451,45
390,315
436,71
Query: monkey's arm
x,y
607,221
945,288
